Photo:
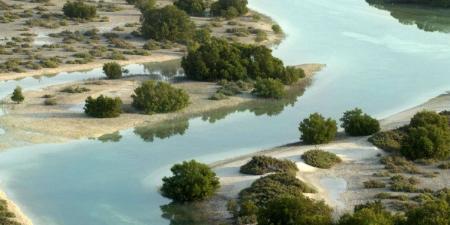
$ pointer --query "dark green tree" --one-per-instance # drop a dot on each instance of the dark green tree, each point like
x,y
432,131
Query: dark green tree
x,y
103,107
159,97
79,9
435,212
17,95
269,88
167,24
357,123
317,130
191,181
192,7
112,70
229,8
369,214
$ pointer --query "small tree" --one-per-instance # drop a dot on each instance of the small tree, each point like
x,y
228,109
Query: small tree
x,y
192,7
357,123
369,213
112,70
191,181
295,211
80,10
103,107
229,8
159,97
317,130
269,88
17,95
432,212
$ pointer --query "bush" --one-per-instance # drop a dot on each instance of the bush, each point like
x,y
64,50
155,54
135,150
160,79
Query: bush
x,y
273,186
17,95
103,107
73,90
79,9
192,7
432,212
191,181
402,184
357,123
277,29
168,23
159,97
295,211
112,70
260,165
317,130
399,164
321,159
269,88
229,8
369,214
374,184
390,141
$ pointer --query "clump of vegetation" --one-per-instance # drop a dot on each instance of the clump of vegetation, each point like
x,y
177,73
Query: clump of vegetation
x,y
6,216
317,130
50,101
75,90
159,97
51,62
444,166
192,7
357,123
370,213
321,159
398,164
103,107
374,184
260,165
191,181
167,23
390,141
273,186
229,8
269,88
231,88
277,29
297,210
401,184
17,95
80,10
112,70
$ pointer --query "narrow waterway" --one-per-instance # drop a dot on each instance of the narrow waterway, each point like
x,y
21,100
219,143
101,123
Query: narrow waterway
x,y
373,62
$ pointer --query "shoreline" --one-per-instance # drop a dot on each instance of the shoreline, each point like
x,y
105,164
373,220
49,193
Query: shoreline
x,y
360,161
20,216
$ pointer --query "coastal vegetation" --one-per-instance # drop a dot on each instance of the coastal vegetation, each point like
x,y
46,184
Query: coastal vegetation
x,y
269,88
159,97
357,123
103,107
112,70
229,8
17,95
321,159
317,130
260,165
79,9
192,7
433,3
6,216
191,181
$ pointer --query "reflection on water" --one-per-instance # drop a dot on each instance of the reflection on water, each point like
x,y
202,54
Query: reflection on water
x,y
165,70
162,130
191,214
112,137
427,19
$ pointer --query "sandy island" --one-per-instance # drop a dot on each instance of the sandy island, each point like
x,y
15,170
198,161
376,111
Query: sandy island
x,y
341,187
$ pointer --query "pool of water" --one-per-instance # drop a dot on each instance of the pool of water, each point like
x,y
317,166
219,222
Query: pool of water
x,y
373,62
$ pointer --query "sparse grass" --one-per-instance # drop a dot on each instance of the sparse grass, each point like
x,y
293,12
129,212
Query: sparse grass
x,y
385,195
76,89
374,184
400,183
399,164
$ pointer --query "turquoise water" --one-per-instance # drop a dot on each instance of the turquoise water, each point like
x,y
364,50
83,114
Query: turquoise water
x,y
373,62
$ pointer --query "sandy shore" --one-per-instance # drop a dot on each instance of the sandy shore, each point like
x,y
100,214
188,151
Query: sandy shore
x,y
20,216
341,187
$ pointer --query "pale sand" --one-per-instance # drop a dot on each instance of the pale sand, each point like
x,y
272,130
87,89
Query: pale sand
x,y
341,187
20,216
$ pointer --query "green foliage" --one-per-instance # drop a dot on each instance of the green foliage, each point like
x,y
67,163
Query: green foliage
x,y
402,184
269,88
297,210
321,159
191,181
357,123
75,90
79,9
260,165
433,3
399,164
369,214
435,212
159,97
426,118
112,70
229,8
17,95
192,7
6,216
277,29
167,23
390,141
273,186
317,130
103,107
374,184
217,59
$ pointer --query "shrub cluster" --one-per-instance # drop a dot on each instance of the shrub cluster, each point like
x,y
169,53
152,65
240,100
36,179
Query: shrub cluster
x,y
390,141
269,88
159,97
321,159
17,95
103,107
192,7
112,70
374,184
167,23
370,213
317,130
229,8
79,9
357,123
260,165
191,181
217,59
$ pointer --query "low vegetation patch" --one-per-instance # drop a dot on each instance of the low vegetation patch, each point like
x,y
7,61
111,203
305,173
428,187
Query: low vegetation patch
x,y
74,90
399,164
103,107
374,184
260,165
402,184
321,159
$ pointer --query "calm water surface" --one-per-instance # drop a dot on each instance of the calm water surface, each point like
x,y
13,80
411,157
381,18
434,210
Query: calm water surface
x,y
373,62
